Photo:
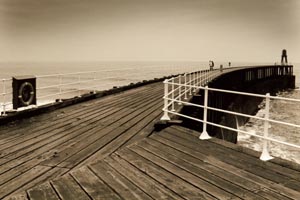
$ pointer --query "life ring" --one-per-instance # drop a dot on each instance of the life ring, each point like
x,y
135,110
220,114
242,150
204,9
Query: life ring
x,y
26,93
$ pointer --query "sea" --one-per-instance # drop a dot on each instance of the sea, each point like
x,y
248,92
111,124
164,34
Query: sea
x,y
113,74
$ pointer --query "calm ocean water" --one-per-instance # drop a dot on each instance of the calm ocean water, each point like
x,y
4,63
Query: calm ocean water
x,y
123,73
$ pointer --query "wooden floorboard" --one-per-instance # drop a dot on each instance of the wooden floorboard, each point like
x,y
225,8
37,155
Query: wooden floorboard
x,y
74,136
107,149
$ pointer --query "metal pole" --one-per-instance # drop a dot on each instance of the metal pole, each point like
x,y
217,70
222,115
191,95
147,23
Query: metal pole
x,y
194,83
185,87
60,89
94,83
190,83
265,156
79,81
165,116
179,89
173,95
3,99
204,135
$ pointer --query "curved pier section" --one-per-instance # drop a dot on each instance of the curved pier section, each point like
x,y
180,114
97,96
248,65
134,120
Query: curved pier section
x,y
258,80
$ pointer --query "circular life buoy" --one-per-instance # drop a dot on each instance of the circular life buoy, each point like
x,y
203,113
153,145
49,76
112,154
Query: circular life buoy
x,y
26,93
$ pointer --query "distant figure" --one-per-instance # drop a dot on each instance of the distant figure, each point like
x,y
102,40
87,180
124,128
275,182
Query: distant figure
x,y
284,57
229,64
211,65
221,68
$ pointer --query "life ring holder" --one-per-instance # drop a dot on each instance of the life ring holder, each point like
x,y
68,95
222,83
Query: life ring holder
x,y
25,88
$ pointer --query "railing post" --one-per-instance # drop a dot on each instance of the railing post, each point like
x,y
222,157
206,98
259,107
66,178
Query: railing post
x,y
79,85
94,83
204,135
185,87
173,95
201,78
190,84
165,116
179,89
60,88
3,98
194,83
265,153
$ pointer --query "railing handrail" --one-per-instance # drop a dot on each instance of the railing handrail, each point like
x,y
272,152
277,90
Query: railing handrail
x,y
193,84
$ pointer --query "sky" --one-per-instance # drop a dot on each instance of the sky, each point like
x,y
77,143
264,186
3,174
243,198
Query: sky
x,y
149,30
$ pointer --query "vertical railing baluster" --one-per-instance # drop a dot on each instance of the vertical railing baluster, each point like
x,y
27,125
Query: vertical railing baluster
x,y
3,98
185,87
173,95
190,83
265,152
195,82
94,82
60,88
79,85
179,89
204,135
166,88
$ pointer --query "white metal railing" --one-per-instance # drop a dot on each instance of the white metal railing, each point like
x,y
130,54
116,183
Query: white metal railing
x,y
67,85
184,86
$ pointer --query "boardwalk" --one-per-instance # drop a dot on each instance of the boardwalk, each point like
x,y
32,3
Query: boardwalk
x,y
106,149
174,164
50,145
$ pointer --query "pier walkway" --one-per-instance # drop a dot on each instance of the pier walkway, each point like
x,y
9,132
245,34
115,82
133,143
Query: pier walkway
x,y
107,149
175,164
46,146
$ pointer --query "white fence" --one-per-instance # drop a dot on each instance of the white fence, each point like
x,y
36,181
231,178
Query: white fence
x,y
178,90
68,85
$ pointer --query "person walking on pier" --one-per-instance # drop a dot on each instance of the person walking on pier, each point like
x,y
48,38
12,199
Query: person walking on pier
x,y
211,65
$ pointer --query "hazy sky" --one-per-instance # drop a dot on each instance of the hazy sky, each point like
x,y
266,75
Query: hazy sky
x,y
185,30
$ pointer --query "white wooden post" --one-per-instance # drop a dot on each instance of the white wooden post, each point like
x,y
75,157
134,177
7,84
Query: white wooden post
x,y
204,135
179,89
165,117
3,98
185,87
94,83
79,86
60,89
190,83
173,95
265,156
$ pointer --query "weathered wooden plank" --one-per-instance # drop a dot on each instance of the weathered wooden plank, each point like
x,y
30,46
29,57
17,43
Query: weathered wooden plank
x,y
147,184
123,187
19,196
92,185
273,164
169,180
79,112
48,175
146,117
72,155
199,169
21,180
43,191
57,130
181,146
67,188
245,161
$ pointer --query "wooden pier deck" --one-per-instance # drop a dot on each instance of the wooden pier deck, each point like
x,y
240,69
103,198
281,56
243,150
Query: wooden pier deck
x,y
174,164
47,146
106,149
